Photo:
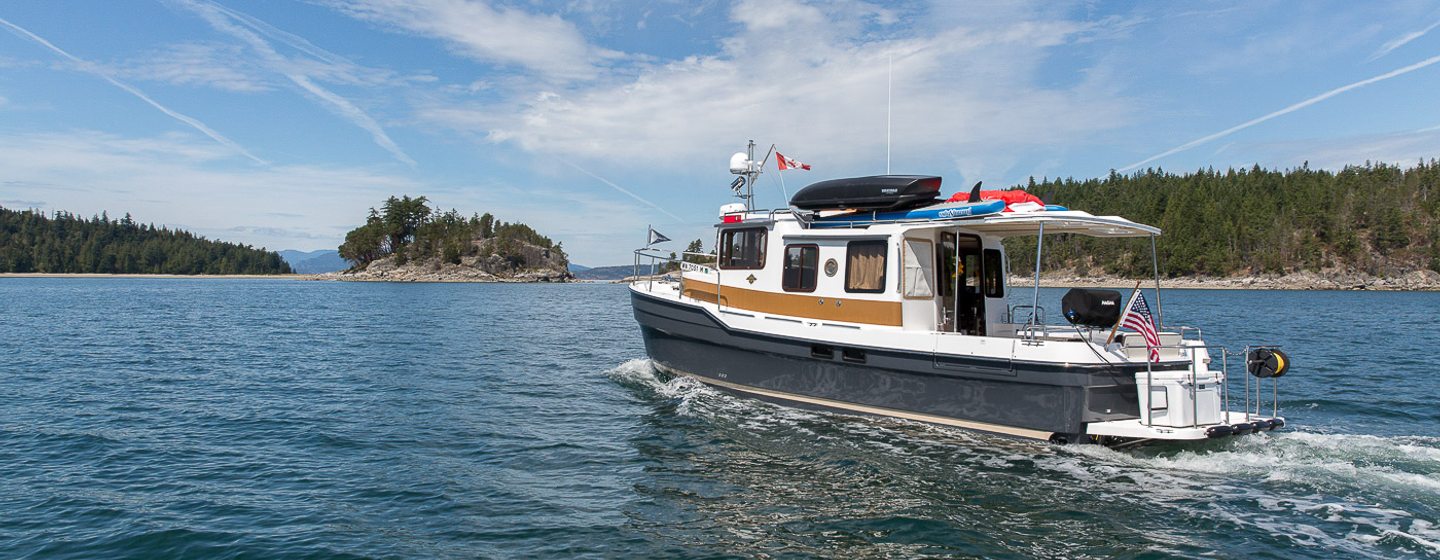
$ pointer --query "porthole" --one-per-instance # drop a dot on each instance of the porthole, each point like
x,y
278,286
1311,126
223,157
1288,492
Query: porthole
x,y
831,267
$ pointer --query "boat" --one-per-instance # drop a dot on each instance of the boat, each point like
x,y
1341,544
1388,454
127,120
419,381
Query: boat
x,y
868,298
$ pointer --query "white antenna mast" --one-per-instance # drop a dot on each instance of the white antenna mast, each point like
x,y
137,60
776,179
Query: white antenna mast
x,y
889,77
744,165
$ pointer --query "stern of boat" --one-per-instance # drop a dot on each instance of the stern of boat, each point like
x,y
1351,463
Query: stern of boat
x,y
1203,401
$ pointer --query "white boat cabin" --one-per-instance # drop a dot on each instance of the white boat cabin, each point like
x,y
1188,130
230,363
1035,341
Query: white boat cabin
x,y
945,276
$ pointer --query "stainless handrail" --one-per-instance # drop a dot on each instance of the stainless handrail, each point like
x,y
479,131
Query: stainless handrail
x,y
656,256
1210,350
1225,353
1039,252
1010,313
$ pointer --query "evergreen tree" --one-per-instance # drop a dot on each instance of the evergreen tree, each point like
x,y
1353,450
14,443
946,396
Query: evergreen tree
x,y
1375,217
30,241
409,229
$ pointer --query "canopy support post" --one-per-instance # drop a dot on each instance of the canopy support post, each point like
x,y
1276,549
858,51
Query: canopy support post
x,y
1155,265
1035,302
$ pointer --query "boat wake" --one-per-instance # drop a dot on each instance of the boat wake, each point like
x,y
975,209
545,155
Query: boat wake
x,y
692,398
641,374
1365,495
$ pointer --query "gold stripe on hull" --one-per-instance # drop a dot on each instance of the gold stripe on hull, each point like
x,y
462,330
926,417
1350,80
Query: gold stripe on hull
x,y
872,410
808,306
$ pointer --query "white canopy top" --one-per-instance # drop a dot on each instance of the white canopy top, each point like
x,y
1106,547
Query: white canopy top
x,y
1069,221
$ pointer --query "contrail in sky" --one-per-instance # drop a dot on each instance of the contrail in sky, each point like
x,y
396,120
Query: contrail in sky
x,y
1401,41
622,189
93,69
244,27
1285,111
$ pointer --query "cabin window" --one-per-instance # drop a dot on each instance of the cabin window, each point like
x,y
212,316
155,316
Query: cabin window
x,y
917,272
994,281
802,267
742,248
865,266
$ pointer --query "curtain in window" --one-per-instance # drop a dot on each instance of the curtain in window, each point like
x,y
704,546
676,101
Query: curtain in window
x,y
866,270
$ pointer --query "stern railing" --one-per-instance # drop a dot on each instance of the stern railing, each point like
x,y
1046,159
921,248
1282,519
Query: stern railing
x,y
1225,399
654,258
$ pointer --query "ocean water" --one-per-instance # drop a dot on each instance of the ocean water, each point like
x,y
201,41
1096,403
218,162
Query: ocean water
x,y
284,419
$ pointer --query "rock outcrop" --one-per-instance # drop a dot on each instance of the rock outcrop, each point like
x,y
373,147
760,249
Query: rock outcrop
x,y
520,262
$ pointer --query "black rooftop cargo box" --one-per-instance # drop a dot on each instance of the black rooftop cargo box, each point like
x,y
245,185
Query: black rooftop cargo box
x,y
880,192
1091,308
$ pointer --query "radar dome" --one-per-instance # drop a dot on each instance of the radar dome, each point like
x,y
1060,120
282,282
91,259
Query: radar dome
x,y
739,163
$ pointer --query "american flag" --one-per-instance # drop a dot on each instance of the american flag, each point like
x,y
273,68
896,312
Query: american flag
x,y
1137,318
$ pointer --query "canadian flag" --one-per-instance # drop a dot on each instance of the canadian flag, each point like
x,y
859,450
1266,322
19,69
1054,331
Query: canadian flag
x,y
787,163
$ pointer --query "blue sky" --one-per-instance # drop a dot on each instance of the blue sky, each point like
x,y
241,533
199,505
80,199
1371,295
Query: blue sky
x,y
280,123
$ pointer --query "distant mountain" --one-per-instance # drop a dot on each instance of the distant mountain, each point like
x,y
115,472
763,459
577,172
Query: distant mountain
x,y
315,262
619,272
292,256
578,267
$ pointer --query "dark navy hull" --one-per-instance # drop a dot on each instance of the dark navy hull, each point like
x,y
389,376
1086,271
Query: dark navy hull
x,y
1004,396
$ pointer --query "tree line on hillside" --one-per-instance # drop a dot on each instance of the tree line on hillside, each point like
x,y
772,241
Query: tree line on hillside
x,y
697,246
409,230
1374,218
63,243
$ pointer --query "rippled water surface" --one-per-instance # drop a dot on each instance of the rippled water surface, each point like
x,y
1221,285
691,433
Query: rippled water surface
x,y
283,419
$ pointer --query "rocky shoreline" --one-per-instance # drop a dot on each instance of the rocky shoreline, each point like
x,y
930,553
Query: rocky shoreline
x,y
471,269
1419,280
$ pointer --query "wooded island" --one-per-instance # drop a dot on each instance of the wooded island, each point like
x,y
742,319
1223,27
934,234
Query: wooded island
x,y
406,240
1374,219
63,243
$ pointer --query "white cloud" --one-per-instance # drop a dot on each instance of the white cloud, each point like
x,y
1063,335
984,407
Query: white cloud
x,y
818,89
172,179
250,31
132,90
1399,148
546,44
198,64
1285,111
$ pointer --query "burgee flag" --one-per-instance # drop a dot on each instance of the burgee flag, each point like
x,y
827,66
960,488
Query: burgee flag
x,y
656,237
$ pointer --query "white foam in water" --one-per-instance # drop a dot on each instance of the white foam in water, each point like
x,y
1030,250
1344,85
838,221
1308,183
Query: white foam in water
x,y
1300,457
696,398
1348,480
640,371
1375,470
1432,545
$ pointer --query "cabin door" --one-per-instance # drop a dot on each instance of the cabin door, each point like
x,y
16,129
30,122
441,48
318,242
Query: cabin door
x,y
962,303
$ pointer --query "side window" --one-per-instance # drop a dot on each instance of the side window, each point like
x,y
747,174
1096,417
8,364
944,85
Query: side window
x,y
917,269
802,267
742,248
865,266
994,281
